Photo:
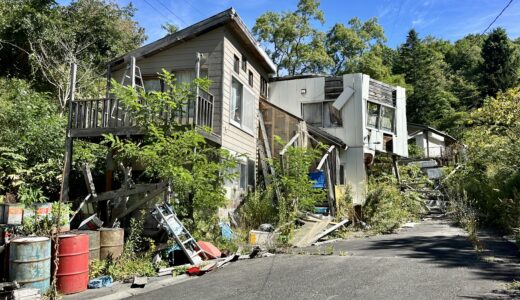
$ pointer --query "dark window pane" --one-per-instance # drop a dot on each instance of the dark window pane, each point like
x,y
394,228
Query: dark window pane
x,y
243,176
236,65
251,173
244,63
312,113
250,78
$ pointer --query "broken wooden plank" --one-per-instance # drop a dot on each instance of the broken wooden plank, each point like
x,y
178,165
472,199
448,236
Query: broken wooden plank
x,y
91,188
139,203
304,236
136,189
329,231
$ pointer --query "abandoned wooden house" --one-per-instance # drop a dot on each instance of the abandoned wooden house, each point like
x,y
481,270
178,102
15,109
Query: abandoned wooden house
x,y
353,115
368,116
433,143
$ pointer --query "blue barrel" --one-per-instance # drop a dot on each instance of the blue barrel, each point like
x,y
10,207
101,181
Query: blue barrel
x,y
30,262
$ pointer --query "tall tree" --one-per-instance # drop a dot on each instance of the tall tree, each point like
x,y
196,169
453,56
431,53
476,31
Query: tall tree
x,y
464,60
500,63
291,40
422,63
41,38
346,45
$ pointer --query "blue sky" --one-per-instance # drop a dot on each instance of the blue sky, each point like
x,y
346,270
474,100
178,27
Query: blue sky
x,y
448,19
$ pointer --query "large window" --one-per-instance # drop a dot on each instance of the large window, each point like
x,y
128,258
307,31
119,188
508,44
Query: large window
x,y
236,101
242,110
322,114
380,116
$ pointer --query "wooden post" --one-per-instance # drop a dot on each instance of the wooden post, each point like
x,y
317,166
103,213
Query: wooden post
x,y
427,144
197,75
67,161
396,169
132,72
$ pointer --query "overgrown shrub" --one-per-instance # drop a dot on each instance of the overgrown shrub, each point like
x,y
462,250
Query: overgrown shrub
x,y
386,207
32,138
488,181
175,153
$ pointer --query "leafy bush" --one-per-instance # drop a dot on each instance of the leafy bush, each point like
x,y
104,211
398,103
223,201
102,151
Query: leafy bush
x,y
31,143
487,183
171,152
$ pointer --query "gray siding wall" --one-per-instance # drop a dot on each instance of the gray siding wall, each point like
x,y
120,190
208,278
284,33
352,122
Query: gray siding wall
x,y
183,57
234,138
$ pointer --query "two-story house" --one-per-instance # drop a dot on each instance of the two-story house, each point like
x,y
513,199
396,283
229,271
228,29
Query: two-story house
x,y
220,48
367,115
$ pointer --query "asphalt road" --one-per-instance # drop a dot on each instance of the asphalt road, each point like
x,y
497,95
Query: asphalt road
x,y
433,260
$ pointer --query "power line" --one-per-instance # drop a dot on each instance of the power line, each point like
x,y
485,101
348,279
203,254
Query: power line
x,y
509,3
171,11
195,8
154,8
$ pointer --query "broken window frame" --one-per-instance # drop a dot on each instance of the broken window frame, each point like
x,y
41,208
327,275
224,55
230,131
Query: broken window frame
x,y
327,114
378,114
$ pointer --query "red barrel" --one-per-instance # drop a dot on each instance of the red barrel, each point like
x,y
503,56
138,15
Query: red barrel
x,y
72,275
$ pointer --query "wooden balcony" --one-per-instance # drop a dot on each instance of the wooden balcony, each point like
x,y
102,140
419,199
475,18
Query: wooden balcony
x,y
91,118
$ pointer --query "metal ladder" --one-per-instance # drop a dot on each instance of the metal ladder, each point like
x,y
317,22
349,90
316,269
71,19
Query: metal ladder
x,y
132,77
167,218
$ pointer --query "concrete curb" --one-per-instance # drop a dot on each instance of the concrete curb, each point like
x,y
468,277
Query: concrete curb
x,y
129,292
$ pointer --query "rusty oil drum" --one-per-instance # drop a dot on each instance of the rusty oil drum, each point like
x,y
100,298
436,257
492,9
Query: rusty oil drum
x,y
72,275
94,237
30,262
112,240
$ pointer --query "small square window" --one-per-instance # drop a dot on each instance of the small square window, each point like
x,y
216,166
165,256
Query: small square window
x,y
250,78
236,65
244,63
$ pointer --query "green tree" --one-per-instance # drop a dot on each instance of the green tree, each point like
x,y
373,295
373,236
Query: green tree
x,y
177,154
34,134
500,63
170,28
347,45
422,63
39,39
464,60
291,40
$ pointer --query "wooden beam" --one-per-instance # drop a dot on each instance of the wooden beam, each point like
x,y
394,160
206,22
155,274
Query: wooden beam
x,y
396,168
324,158
329,231
137,189
140,203
91,188
268,150
294,138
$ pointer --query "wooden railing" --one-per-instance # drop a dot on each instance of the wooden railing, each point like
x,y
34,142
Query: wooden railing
x,y
110,113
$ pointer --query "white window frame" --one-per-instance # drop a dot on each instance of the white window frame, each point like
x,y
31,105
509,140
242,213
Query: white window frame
x,y
378,126
322,103
243,107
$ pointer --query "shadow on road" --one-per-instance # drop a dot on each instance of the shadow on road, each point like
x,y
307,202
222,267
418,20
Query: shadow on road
x,y
456,251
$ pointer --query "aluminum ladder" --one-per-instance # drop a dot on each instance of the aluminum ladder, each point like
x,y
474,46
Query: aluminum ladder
x,y
167,218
